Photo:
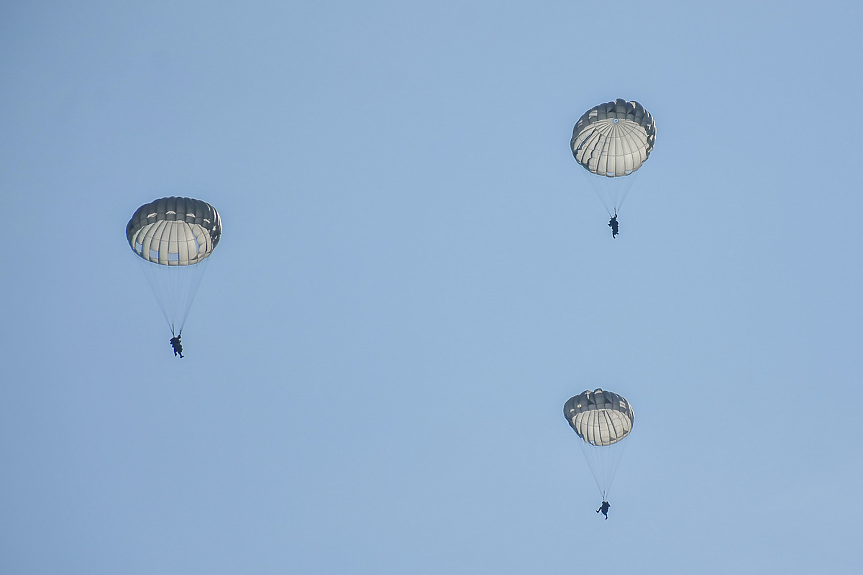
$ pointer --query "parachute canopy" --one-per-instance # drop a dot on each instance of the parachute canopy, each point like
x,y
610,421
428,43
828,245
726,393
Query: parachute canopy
x,y
613,139
173,239
174,231
601,418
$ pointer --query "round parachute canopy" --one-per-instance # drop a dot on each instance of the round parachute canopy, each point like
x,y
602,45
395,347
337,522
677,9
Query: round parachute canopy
x,y
613,139
601,418
174,231
173,239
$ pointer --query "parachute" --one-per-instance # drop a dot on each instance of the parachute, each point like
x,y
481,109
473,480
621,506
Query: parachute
x,y
173,239
611,142
602,419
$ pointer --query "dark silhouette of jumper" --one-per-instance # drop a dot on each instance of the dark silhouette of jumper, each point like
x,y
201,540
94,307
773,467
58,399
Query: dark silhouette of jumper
x,y
604,509
612,223
178,347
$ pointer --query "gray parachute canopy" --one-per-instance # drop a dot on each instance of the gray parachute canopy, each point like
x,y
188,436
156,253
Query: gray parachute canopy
x,y
174,231
599,417
613,139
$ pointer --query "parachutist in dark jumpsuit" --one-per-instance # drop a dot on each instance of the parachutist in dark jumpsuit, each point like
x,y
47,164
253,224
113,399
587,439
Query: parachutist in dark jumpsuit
x,y
612,223
604,509
178,347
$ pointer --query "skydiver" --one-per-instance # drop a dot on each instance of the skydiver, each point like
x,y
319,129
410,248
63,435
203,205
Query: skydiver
x,y
178,347
604,508
612,223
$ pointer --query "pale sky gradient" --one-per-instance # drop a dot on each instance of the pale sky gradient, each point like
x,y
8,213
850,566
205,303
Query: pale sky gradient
x,y
413,279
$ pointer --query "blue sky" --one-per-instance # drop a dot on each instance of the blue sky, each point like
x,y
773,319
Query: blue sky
x,y
412,280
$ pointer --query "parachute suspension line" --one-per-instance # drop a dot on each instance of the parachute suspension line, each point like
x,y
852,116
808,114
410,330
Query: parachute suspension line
x,y
611,191
623,188
623,197
604,203
597,188
603,462
592,465
174,288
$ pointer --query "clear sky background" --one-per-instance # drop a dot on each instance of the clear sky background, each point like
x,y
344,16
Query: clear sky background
x,y
414,277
